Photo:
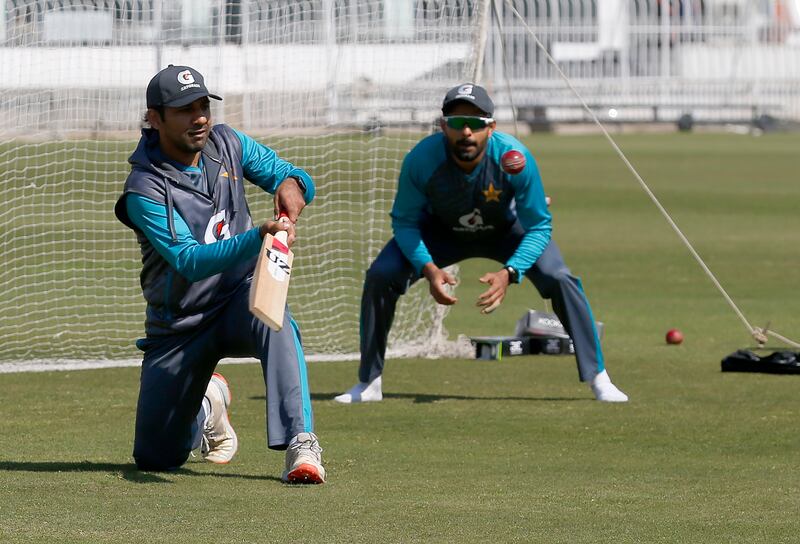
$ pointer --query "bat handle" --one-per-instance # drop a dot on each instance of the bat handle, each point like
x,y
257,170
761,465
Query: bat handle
x,y
282,236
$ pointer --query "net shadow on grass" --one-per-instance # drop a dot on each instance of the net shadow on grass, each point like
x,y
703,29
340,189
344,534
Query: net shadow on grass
x,y
127,471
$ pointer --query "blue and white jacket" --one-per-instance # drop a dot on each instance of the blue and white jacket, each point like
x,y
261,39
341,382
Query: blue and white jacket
x,y
193,224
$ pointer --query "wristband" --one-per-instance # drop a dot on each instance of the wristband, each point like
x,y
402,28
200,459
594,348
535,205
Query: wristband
x,y
513,275
300,183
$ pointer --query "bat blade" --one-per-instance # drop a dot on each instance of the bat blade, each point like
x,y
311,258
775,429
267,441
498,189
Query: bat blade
x,y
270,285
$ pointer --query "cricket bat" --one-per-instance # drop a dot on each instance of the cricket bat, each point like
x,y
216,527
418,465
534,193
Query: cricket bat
x,y
271,279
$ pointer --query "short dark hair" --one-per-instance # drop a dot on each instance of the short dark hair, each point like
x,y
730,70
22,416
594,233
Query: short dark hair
x,y
159,109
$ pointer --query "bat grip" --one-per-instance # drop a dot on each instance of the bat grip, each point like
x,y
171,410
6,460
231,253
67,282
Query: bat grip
x,y
283,236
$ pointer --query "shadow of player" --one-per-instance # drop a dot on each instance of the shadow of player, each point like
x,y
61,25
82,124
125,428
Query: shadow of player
x,y
127,471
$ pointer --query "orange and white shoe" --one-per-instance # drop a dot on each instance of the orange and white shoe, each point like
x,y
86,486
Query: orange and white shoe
x,y
304,461
219,442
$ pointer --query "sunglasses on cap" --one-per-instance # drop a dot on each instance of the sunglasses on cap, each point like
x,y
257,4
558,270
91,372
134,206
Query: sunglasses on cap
x,y
458,122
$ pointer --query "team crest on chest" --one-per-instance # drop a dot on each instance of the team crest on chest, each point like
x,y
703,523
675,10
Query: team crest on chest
x,y
217,228
491,194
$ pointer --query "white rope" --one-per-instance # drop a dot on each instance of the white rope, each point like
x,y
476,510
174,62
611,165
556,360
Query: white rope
x,y
760,335
780,337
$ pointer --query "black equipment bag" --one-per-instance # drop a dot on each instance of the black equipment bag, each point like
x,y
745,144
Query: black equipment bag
x,y
779,362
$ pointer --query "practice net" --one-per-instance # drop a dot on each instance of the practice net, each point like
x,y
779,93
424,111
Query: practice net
x,y
342,88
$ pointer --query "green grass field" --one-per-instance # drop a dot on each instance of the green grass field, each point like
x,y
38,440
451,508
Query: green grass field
x,y
487,451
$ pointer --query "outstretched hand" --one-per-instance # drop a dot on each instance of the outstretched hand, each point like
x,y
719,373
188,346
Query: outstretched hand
x,y
438,278
489,300
289,200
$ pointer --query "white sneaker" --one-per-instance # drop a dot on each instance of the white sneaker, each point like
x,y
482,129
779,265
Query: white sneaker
x,y
362,392
219,443
605,391
304,461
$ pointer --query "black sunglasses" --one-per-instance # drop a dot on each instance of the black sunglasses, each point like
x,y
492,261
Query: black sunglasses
x,y
458,122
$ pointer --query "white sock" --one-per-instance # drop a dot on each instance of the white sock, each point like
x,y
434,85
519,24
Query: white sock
x,y
362,392
605,391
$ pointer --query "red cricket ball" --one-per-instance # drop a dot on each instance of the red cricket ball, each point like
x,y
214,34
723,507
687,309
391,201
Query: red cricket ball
x,y
674,336
513,162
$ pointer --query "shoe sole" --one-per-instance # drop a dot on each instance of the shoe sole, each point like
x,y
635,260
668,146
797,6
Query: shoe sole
x,y
304,474
228,427
343,400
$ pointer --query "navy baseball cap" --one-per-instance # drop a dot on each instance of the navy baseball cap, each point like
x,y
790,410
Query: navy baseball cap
x,y
176,86
471,94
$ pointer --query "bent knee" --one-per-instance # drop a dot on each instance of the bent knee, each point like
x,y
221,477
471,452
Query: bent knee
x,y
555,280
148,463
159,458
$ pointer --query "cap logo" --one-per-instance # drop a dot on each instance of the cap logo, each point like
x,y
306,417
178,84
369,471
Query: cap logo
x,y
185,77
465,90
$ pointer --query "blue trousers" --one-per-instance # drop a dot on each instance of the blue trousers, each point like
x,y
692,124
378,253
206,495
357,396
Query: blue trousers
x,y
391,274
177,368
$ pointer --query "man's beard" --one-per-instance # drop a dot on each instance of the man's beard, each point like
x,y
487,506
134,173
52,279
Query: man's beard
x,y
466,154
190,145
194,148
